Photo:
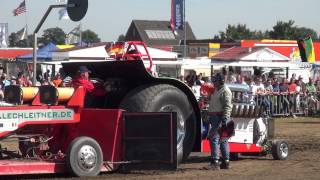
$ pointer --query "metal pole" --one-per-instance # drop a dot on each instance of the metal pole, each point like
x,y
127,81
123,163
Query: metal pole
x,y
35,46
185,29
46,15
34,80
80,35
26,20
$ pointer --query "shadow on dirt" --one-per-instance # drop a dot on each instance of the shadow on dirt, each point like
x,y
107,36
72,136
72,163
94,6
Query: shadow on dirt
x,y
206,159
197,159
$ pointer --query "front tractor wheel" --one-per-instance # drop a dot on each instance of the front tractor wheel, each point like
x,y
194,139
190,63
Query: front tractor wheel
x,y
84,157
280,150
166,98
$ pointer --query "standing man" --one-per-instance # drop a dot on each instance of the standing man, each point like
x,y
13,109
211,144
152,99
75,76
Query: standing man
x,y
220,108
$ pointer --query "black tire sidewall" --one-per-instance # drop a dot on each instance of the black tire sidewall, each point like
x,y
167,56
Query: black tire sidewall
x,y
162,95
72,154
276,152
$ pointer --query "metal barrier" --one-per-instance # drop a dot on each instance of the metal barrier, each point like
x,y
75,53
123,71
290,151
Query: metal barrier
x,y
246,105
275,104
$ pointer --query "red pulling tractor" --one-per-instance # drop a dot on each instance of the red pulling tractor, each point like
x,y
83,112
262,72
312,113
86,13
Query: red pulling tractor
x,y
58,133
140,118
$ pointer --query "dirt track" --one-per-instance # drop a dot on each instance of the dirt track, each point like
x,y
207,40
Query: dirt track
x,y
303,136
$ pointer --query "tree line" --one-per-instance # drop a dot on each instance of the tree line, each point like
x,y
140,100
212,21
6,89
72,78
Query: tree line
x,y
286,30
55,35
281,30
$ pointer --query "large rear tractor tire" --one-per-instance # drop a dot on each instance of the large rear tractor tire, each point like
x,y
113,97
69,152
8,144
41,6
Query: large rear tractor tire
x,y
84,157
166,98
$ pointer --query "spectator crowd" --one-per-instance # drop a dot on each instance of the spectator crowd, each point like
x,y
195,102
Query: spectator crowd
x,y
281,96
24,80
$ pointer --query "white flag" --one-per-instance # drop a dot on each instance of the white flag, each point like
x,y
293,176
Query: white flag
x,y
63,14
3,34
22,34
73,37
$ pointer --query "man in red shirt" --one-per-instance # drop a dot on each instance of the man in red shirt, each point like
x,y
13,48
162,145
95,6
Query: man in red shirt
x,y
93,94
292,88
82,79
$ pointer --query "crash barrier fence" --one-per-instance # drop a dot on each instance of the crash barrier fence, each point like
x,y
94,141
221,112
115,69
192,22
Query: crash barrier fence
x,y
275,104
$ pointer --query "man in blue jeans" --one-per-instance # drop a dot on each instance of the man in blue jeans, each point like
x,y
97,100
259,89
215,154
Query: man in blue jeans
x,y
220,108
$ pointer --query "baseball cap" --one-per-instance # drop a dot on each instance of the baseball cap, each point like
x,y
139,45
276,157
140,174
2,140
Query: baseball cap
x,y
83,69
217,77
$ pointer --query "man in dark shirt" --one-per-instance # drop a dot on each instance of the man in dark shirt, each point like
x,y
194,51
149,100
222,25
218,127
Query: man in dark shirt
x,y
284,86
276,86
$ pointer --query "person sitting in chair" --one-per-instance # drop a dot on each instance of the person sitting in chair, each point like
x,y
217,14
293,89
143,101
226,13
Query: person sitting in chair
x,y
82,79
93,94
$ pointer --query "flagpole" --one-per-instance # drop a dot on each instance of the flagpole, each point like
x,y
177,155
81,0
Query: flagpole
x,y
80,35
35,43
26,20
185,29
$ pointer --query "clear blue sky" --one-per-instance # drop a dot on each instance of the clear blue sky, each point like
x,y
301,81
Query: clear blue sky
x,y
110,18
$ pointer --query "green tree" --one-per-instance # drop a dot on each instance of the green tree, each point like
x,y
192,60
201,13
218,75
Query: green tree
x,y
302,32
236,32
287,30
55,35
259,35
14,40
121,38
283,30
89,36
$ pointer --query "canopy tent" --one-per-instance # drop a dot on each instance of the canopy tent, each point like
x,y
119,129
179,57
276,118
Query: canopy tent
x,y
261,64
91,53
98,52
200,65
43,54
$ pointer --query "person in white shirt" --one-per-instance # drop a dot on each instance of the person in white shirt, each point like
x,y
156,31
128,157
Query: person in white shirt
x,y
241,80
252,91
268,86
259,86
261,98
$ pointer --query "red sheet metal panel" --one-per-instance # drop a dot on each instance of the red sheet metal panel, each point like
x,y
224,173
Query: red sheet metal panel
x,y
104,125
23,167
234,147
11,167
